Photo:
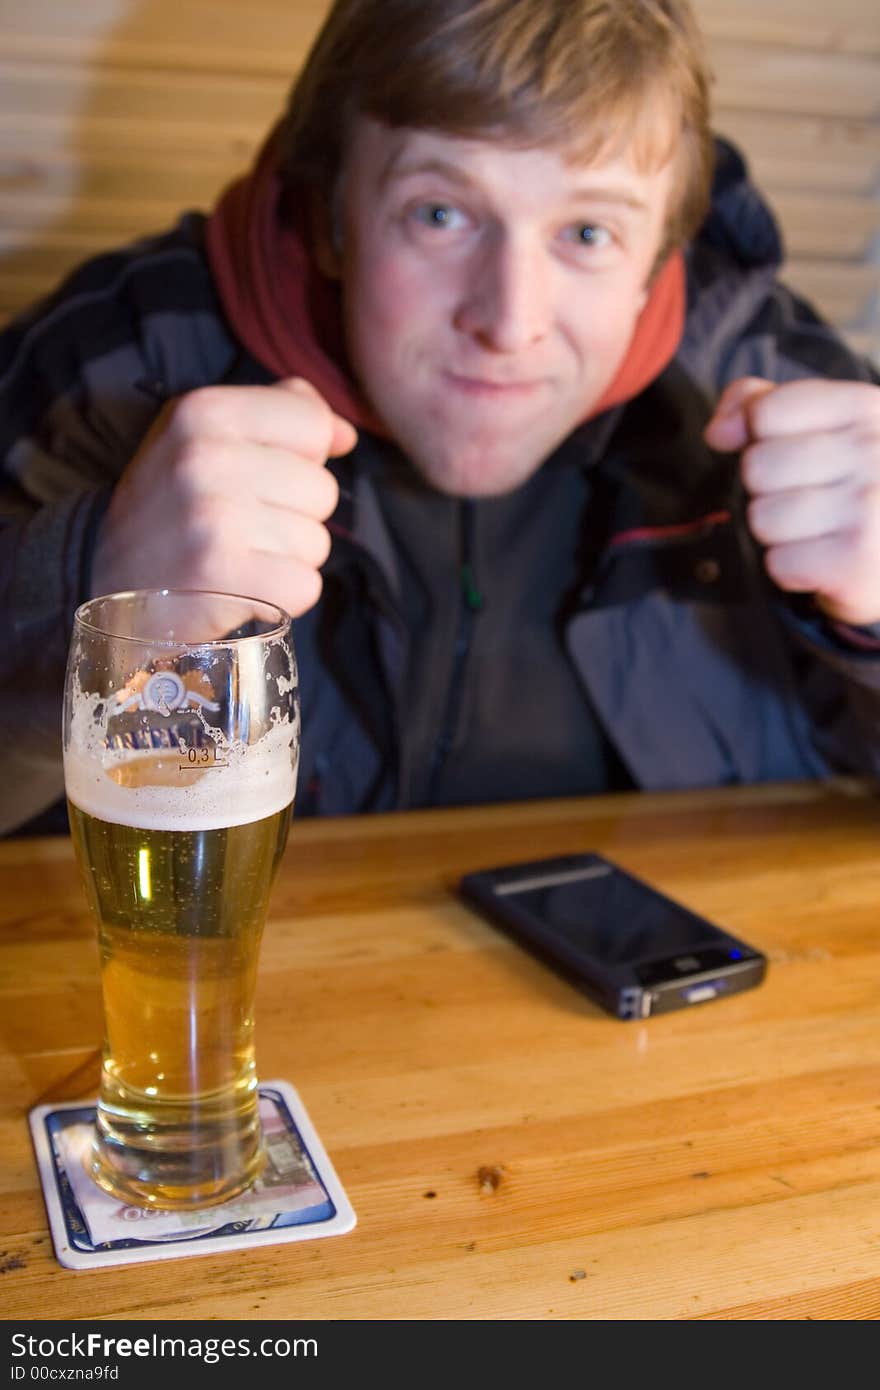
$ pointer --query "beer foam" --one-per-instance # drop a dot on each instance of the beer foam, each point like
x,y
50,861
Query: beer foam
x,y
255,781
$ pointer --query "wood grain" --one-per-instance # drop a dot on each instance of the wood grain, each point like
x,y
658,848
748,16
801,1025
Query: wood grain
x,y
719,1163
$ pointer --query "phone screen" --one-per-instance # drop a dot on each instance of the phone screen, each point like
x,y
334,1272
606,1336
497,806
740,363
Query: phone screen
x,y
609,916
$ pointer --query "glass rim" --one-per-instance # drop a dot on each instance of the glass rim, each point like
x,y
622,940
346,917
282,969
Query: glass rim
x,y
282,619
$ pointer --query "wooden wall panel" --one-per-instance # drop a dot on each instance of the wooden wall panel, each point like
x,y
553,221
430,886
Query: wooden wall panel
x,y
117,114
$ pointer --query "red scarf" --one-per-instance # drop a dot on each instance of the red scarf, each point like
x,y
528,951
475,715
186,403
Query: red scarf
x,y
288,314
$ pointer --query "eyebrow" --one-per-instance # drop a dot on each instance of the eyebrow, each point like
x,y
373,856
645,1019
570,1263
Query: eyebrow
x,y
397,169
610,193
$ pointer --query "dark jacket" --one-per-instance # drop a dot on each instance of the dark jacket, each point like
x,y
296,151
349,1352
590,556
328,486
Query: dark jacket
x,y
695,671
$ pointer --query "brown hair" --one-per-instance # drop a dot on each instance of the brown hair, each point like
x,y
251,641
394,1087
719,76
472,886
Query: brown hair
x,y
587,76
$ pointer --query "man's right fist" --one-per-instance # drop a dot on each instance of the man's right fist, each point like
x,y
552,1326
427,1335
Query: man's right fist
x,y
228,491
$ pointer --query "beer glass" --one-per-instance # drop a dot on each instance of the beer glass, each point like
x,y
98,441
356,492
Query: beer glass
x,y
181,743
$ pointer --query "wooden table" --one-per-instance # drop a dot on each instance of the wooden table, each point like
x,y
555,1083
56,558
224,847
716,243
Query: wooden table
x,y
721,1162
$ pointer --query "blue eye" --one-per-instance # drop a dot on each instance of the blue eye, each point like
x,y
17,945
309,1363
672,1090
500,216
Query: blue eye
x,y
588,234
440,215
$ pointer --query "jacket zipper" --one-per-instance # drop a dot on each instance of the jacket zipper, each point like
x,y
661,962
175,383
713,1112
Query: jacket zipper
x,y
470,605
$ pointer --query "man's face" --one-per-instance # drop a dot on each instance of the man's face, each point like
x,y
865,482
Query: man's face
x,y
490,293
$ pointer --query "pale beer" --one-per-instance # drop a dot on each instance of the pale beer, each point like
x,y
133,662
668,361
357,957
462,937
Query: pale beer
x,y
180,914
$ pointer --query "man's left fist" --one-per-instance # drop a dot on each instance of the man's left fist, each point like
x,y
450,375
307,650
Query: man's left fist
x,y
811,465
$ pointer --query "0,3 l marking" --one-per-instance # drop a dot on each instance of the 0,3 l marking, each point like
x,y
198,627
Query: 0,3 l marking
x,y
205,759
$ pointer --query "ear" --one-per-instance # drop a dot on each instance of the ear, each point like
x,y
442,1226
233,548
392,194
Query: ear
x,y
326,239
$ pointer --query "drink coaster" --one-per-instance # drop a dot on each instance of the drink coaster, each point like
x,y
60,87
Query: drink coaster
x,y
298,1196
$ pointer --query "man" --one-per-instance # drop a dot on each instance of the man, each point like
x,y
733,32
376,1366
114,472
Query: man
x,y
564,492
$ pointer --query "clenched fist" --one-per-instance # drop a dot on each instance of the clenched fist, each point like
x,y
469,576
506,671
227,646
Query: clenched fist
x,y
228,491
811,466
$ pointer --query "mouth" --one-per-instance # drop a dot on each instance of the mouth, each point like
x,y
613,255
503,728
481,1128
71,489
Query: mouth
x,y
484,388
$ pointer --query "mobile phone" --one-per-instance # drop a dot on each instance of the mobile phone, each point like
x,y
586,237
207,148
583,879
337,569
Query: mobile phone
x,y
631,948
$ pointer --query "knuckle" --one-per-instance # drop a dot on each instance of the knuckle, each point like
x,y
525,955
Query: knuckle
x,y
309,543
866,439
751,471
779,565
302,387
869,505
306,592
197,411
321,420
315,413
761,409
321,544
323,428
758,519
328,495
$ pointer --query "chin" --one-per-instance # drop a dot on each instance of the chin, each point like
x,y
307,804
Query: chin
x,y
471,471
475,480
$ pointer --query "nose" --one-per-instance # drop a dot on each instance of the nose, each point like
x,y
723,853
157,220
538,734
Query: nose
x,y
507,301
